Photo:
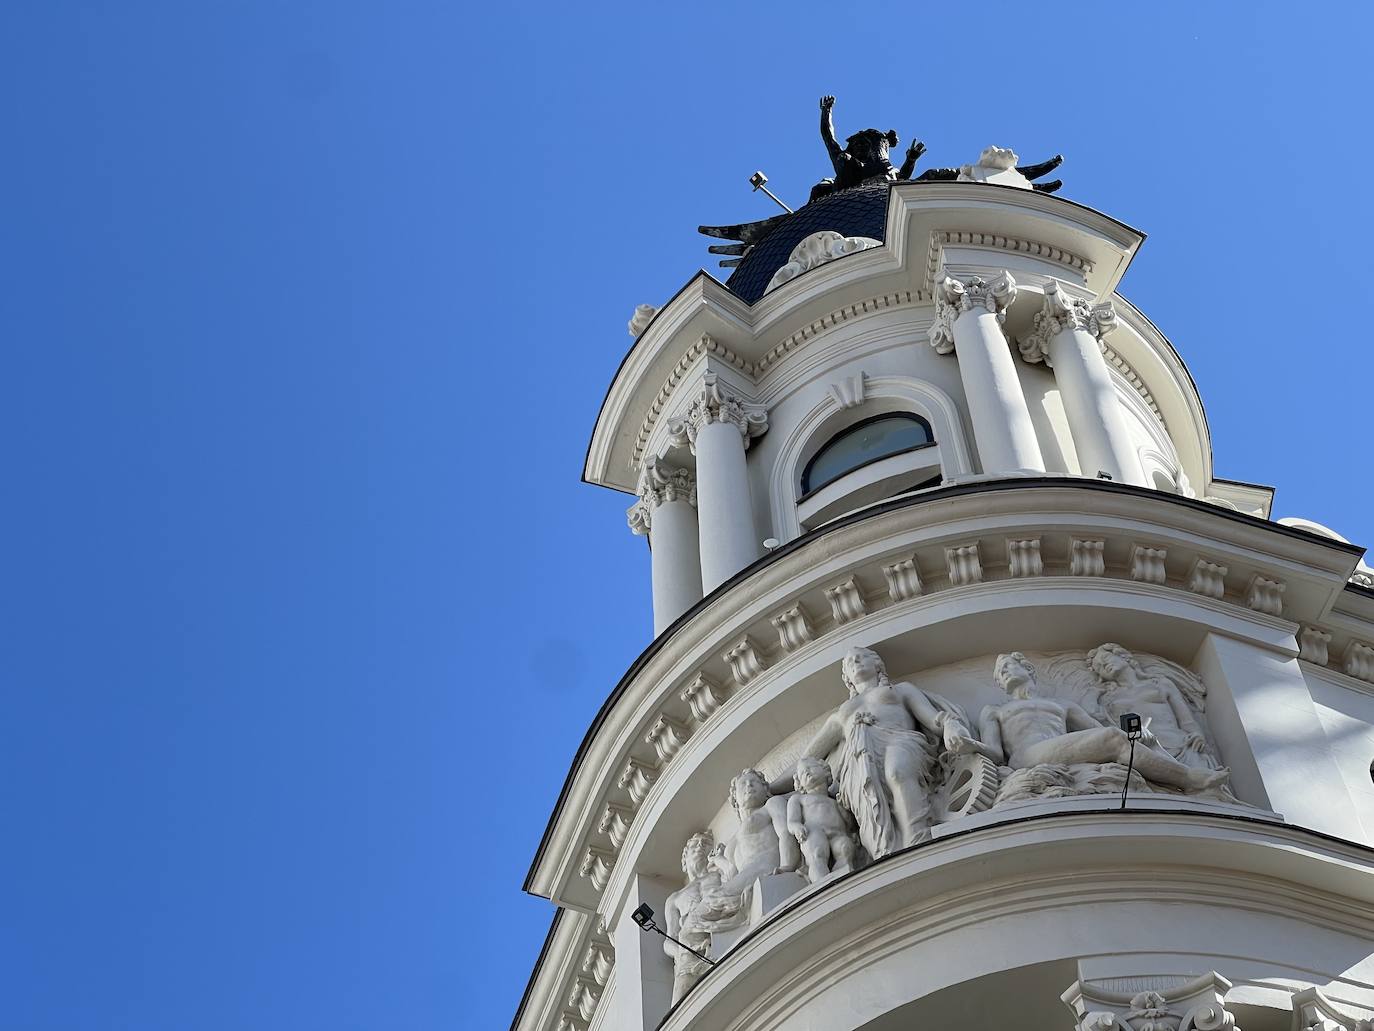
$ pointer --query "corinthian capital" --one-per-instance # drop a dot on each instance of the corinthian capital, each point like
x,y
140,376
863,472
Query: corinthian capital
x,y
715,403
953,297
659,483
1061,312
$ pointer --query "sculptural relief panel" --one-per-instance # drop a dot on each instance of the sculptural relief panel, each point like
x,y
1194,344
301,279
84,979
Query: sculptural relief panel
x,y
897,758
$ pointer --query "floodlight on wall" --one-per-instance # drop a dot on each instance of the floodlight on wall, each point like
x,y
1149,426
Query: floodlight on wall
x,y
644,917
1133,728
771,543
1102,475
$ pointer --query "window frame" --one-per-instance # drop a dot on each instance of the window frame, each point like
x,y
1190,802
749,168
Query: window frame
x,y
807,491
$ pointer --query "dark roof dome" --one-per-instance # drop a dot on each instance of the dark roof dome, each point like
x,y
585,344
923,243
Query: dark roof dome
x,y
860,211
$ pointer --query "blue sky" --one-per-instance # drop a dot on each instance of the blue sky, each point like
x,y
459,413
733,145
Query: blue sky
x,y
307,310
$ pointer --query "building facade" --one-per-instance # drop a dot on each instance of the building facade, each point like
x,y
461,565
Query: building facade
x,y
977,699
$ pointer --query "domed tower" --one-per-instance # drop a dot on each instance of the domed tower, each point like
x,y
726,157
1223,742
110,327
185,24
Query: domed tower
x,y
976,698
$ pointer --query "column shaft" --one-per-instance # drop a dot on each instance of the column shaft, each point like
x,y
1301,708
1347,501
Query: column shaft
x,y
969,322
725,513
1090,403
676,561
1067,337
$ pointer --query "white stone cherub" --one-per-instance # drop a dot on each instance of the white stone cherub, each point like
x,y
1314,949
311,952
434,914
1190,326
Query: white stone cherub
x,y
823,827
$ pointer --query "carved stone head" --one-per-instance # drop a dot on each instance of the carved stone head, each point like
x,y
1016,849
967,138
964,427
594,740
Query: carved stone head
x,y
748,791
813,776
696,854
862,666
1015,674
1111,662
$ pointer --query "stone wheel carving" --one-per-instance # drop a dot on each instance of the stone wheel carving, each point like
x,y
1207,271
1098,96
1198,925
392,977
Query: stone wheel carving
x,y
970,785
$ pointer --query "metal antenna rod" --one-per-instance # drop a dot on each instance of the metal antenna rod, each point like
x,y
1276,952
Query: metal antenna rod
x,y
758,180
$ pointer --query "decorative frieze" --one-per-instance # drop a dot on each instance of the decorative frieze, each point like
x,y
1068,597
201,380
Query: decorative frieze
x,y
570,1022
744,660
794,630
596,867
1207,579
667,736
1265,595
716,403
953,297
1086,557
637,778
1313,644
850,391
1359,660
1147,564
1023,557
965,566
703,695
903,579
846,600
1061,312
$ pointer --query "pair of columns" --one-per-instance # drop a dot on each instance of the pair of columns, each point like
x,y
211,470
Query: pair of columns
x,y
1067,337
700,527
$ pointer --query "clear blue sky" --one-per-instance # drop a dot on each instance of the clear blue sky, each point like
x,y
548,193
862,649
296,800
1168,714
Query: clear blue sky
x,y
307,309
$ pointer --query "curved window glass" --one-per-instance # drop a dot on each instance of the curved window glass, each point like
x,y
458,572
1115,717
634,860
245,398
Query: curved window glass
x,y
880,437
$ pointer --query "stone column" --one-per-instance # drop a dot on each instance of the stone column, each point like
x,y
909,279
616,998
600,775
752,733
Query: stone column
x,y
719,428
969,317
1067,337
666,513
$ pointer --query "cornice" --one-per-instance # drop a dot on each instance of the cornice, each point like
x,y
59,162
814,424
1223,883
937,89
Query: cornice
x,y
706,641
754,340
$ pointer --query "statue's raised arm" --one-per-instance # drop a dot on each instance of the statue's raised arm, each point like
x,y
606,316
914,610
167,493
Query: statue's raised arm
x,y
832,145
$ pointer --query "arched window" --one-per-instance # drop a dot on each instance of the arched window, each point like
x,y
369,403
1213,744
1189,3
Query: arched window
x,y
879,437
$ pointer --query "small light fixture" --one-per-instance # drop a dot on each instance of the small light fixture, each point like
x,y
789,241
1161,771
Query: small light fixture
x,y
1131,726
772,543
759,181
1104,475
644,917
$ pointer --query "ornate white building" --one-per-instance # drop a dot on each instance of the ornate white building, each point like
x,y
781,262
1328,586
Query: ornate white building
x,y
931,507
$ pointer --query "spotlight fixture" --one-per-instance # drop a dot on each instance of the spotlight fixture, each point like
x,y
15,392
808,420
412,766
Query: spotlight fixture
x,y
644,917
759,181
1132,727
1104,475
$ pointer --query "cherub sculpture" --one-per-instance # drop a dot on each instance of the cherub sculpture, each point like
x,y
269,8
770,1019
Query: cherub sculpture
x,y
823,827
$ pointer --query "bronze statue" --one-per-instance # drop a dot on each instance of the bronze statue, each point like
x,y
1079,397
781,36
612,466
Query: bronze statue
x,y
864,157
